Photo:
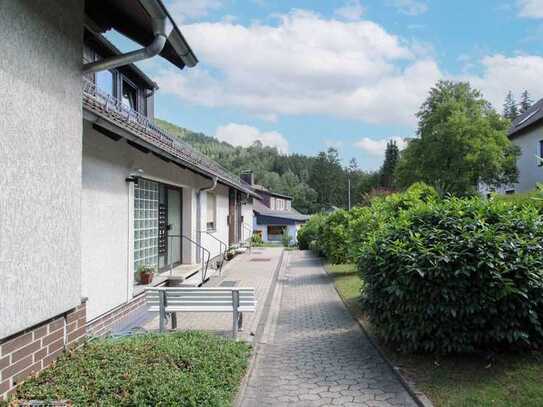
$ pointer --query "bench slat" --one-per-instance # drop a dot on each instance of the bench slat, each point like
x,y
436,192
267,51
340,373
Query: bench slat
x,y
202,309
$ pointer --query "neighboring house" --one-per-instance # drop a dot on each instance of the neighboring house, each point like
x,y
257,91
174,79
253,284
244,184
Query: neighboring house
x,y
526,132
273,213
91,187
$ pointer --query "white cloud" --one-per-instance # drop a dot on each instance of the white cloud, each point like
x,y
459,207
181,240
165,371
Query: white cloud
x,y
188,10
243,135
377,147
409,7
352,10
501,74
305,65
530,8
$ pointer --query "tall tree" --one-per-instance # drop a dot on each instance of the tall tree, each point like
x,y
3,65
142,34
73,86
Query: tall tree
x,y
525,102
328,179
392,156
510,108
461,141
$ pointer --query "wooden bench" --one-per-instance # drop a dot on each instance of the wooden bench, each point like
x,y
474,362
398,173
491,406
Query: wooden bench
x,y
169,300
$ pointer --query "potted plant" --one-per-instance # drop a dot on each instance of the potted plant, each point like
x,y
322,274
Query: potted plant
x,y
146,272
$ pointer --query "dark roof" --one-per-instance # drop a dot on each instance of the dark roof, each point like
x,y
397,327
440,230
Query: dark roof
x,y
526,120
109,115
292,214
130,18
106,49
261,188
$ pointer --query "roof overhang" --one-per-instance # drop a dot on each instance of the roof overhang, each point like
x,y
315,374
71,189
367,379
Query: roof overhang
x,y
132,19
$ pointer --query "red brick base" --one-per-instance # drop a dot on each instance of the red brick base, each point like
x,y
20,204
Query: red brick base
x,y
101,325
32,350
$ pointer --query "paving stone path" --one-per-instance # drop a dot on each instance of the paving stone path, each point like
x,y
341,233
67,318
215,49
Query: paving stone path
x,y
312,353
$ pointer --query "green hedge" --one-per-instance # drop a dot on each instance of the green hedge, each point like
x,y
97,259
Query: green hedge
x,y
457,275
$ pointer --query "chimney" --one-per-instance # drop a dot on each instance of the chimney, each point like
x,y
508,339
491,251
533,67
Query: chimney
x,y
248,177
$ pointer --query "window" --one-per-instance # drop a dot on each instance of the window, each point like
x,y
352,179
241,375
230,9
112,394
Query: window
x,y
145,224
104,81
129,95
272,203
540,153
211,212
289,205
280,204
510,192
275,232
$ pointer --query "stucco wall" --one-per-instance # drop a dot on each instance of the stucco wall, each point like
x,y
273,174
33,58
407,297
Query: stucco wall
x,y
107,203
40,160
248,215
221,232
530,173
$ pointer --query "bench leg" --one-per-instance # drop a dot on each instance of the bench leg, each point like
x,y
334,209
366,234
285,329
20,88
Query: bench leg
x,y
162,314
240,321
174,320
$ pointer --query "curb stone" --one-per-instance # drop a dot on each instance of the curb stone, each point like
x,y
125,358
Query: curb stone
x,y
419,397
259,330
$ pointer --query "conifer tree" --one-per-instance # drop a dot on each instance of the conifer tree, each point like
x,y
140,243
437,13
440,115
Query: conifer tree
x,y
510,109
392,155
525,102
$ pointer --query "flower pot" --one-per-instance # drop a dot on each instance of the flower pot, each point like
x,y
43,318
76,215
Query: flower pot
x,y
146,278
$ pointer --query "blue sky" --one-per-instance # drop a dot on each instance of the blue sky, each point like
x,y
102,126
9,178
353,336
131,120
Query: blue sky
x,y
306,75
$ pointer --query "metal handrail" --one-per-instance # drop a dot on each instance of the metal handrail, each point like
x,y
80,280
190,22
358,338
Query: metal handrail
x,y
246,227
161,138
202,248
221,244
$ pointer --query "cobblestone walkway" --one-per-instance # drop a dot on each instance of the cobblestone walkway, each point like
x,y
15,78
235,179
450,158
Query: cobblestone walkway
x,y
313,353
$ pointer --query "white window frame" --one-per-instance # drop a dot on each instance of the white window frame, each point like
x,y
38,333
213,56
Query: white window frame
x,y
289,205
272,203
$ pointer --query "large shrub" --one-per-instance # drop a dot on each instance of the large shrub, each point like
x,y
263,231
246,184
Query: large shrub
x,y
456,276
310,231
368,222
334,238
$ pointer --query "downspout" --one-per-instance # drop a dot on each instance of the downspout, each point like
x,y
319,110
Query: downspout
x,y
161,35
200,257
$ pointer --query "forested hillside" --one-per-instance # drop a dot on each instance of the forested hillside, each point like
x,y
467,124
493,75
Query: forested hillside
x,y
315,183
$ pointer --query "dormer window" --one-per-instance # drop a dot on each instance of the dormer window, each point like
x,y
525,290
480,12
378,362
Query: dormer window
x,y
289,205
129,95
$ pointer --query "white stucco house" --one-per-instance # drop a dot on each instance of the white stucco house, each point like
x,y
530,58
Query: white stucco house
x,y
273,213
526,132
91,188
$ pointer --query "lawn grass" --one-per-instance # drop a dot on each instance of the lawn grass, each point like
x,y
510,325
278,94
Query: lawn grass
x,y
505,380
177,369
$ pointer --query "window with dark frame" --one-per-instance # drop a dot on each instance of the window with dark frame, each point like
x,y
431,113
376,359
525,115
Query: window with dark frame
x,y
541,153
129,95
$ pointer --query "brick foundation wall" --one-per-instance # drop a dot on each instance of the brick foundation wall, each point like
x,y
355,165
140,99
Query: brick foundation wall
x,y
102,325
32,350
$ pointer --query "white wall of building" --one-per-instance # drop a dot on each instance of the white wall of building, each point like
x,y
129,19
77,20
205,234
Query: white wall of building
x,y
107,216
40,160
530,173
248,223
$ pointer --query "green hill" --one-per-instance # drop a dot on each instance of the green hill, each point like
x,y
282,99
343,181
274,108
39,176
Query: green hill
x,y
313,182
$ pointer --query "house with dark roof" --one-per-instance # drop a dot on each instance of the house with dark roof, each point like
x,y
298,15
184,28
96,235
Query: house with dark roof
x,y
526,132
274,214
92,189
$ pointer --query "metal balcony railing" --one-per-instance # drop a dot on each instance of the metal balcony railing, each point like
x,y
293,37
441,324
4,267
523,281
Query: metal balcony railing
x,y
96,99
